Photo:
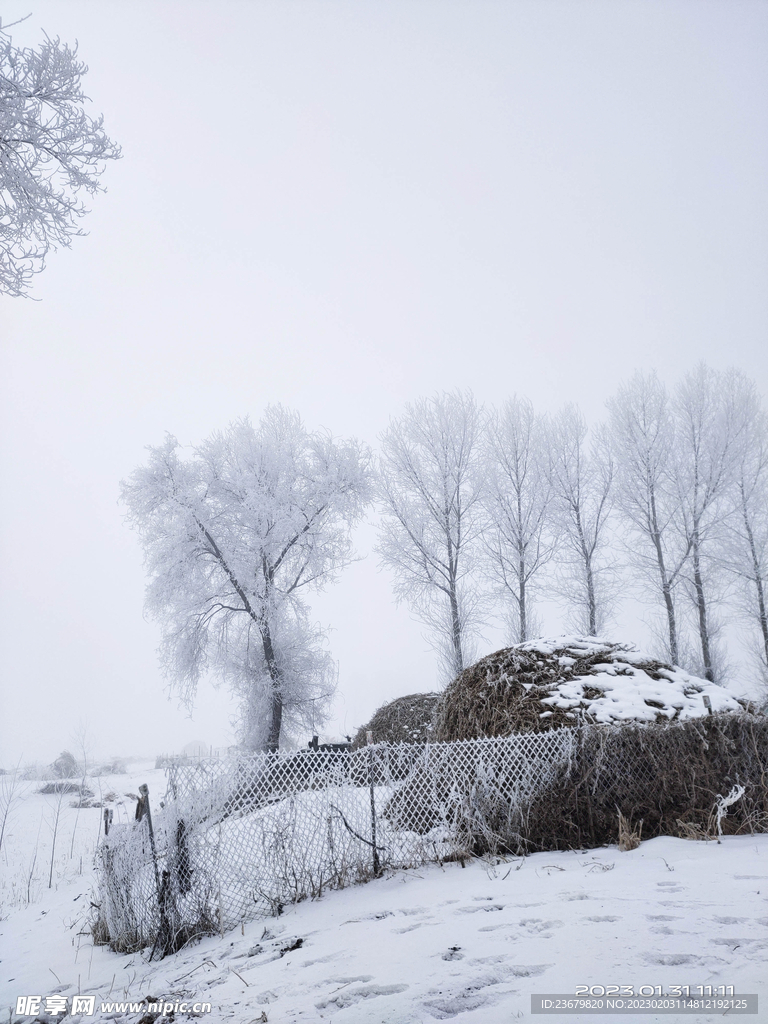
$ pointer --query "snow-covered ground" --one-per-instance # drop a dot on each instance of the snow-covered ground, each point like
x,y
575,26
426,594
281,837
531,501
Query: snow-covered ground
x,y
439,943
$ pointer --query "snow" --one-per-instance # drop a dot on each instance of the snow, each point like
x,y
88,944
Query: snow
x,y
626,687
415,946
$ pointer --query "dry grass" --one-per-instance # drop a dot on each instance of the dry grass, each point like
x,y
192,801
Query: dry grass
x,y
692,830
405,720
629,837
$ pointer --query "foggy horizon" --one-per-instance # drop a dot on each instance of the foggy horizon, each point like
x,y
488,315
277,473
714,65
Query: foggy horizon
x,y
343,207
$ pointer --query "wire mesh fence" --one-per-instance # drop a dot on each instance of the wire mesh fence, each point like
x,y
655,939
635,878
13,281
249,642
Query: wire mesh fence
x,y
240,838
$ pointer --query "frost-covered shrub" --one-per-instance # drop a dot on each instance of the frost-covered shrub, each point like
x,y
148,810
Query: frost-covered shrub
x,y
65,766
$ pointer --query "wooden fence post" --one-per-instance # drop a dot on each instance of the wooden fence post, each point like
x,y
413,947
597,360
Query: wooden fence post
x,y
163,938
376,864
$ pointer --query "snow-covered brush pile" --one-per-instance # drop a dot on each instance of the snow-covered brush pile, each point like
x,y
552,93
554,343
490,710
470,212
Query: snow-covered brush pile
x,y
404,720
548,684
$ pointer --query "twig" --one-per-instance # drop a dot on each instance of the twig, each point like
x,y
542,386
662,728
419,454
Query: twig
x,y
355,834
197,969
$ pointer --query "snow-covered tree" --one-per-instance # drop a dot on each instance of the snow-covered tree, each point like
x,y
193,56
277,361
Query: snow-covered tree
x,y
581,474
234,536
518,541
51,152
709,438
430,488
642,438
742,547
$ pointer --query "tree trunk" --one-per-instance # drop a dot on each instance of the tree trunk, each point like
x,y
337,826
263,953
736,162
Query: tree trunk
x,y
588,576
456,632
592,604
674,655
276,723
762,615
701,607
276,705
523,609
666,587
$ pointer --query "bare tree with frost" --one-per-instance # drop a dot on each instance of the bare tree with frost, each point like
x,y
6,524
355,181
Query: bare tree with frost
x,y
709,436
518,539
430,489
581,475
234,537
743,544
51,152
642,437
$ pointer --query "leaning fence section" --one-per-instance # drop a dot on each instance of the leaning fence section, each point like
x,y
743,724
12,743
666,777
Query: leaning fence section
x,y
240,838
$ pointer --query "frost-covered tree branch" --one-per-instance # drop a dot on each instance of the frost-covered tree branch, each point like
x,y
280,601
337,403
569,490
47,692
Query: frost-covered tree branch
x,y
429,490
232,537
51,152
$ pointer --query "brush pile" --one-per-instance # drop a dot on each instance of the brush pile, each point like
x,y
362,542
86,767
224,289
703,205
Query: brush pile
x,y
649,743
669,779
405,720
548,684
602,779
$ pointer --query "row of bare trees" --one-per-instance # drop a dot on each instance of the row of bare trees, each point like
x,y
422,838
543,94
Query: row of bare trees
x,y
667,499
481,511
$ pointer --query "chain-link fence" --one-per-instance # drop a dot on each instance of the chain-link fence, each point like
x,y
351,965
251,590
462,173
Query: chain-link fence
x,y
239,838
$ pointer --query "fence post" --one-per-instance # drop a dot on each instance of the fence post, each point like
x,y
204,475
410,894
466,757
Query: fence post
x,y
164,935
376,864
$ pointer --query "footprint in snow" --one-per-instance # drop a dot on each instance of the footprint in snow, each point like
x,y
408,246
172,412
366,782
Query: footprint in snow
x,y
345,997
446,1004
671,959
606,917
514,970
413,927
662,917
527,970
535,926
443,1007
322,959
736,942
488,907
363,978
378,916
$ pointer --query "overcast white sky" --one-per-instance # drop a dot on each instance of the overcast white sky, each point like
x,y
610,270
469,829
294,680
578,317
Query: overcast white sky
x,y
341,207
